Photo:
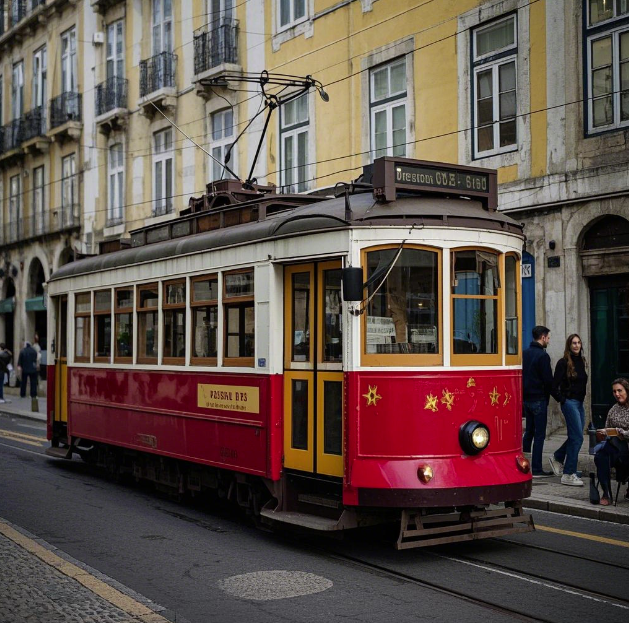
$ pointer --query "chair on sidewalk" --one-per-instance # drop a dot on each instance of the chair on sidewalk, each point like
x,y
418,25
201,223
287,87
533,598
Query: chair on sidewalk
x,y
622,477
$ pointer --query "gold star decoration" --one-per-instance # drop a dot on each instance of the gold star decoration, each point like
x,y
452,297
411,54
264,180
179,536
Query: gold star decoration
x,y
447,399
494,395
471,382
507,398
431,403
372,395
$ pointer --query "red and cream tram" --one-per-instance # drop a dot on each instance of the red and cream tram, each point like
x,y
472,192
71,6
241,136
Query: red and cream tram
x,y
328,362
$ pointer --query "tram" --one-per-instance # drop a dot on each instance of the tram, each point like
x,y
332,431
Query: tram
x,y
326,361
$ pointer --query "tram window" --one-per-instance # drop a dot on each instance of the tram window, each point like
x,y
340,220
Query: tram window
x,y
239,318
148,301
175,322
403,311
511,304
102,326
82,320
204,305
333,336
301,317
124,325
475,286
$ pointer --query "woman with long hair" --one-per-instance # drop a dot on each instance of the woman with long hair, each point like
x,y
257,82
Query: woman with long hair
x,y
614,452
569,383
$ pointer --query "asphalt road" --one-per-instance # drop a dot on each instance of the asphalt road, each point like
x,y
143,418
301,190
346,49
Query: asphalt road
x,y
211,564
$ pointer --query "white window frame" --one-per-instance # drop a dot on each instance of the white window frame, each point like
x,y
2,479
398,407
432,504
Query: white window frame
x,y
289,181
387,105
161,26
115,50
292,21
39,200
616,15
162,201
616,123
493,61
221,144
115,184
68,61
15,207
17,90
40,71
69,190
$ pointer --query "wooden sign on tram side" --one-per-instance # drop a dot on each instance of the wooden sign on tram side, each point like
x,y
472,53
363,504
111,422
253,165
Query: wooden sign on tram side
x,y
391,175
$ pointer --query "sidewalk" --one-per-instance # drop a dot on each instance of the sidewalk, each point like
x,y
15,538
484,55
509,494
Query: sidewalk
x,y
15,405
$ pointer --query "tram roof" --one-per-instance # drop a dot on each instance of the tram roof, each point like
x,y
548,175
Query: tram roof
x,y
422,211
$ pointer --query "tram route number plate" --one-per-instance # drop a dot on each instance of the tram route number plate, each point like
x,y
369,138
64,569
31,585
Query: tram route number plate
x,y
242,399
441,178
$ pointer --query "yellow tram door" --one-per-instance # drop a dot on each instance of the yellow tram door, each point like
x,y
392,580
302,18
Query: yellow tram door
x,y
313,375
61,361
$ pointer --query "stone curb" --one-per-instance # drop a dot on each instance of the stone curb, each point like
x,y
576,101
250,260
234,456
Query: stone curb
x,y
569,507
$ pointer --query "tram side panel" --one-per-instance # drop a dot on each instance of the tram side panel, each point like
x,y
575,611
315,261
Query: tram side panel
x,y
227,421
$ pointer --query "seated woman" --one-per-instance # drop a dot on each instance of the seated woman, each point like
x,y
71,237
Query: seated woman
x,y
613,452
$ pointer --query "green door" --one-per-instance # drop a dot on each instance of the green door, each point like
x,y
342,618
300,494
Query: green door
x,y
609,313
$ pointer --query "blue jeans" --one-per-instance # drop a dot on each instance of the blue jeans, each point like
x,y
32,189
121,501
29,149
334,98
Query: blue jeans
x,y
536,416
568,452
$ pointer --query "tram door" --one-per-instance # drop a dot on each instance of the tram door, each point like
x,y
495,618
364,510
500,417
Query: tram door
x,y
313,369
61,362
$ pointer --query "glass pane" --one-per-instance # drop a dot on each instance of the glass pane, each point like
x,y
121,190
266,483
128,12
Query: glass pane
x,y
380,133
511,304
299,416
175,294
380,84
83,303
206,290
624,76
103,336
147,334
302,109
239,284
301,317
205,331
399,131
124,335
602,81
300,8
624,46
603,111
302,161
148,297
624,106
174,333
82,336
102,301
250,328
333,417
228,124
495,37
398,78
484,84
475,326
506,77
600,10
475,273
507,133
284,12
485,111
402,317
217,126
486,138
507,105
602,52
288,162
333,330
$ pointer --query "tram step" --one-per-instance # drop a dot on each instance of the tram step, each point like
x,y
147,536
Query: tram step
x,y
60,453
319,500
312,522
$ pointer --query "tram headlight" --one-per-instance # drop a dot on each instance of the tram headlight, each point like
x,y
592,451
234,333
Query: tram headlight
x,y
424,473
473,437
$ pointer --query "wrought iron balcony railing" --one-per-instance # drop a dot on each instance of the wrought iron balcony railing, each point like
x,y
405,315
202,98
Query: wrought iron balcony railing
x,y
157,73
11,135
17,11
65,107
111,94
44,222
34,123
215,44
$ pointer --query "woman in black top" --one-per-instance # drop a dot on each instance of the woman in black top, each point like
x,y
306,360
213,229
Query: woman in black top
x,y
570,382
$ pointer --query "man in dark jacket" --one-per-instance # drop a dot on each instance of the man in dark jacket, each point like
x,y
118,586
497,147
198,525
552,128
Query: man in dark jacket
x,y
537,378
27,364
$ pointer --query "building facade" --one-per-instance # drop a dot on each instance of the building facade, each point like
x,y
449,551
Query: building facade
x,y
537,90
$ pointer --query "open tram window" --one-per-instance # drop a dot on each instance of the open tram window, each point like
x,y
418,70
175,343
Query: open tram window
x,y
239,314
175,321
123,312
102,326
333,332
475,305
204,304
82,320
403,313
148,301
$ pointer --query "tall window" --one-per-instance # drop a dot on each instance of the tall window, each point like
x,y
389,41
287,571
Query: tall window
x,y
291,12
123,314
512,286
116,184
102,326
495,107
68,62
162,26
222,139
17,90
39,79
115,50
15,207
163,172
239,313
608,65
175,321
148,326
204,303
82,321
1,100
69,189
38,199
388,109
294,137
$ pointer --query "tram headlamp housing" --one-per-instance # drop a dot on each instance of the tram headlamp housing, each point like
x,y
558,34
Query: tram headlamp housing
x,y
523,463
473,437
425,473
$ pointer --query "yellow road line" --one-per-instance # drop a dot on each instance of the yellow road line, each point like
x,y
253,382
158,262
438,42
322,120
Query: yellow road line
x,y
23,435
113,596
582,535
14,437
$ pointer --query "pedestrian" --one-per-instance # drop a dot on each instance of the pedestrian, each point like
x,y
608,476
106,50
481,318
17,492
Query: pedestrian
x,y
37,348
27,366
569,383
613,451
5,360
537,380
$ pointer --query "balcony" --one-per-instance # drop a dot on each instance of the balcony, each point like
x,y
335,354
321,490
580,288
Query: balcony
x,y
21,15
158,82
11,137
111,104
101,6
16,10
65,116
34,131
41,224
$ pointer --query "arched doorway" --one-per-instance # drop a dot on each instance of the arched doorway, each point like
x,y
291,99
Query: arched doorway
x,y
35,304
605,259
7,314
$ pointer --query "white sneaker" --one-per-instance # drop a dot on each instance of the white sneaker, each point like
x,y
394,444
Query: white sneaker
x,y
2,400
572,480
555,465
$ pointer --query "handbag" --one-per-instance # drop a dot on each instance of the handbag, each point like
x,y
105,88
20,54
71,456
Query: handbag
x,y
595,496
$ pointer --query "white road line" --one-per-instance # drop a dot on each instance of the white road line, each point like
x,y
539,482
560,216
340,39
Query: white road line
x,y
570,591
6,445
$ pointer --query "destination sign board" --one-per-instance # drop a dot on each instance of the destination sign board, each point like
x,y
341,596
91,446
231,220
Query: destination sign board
x,y
441,178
